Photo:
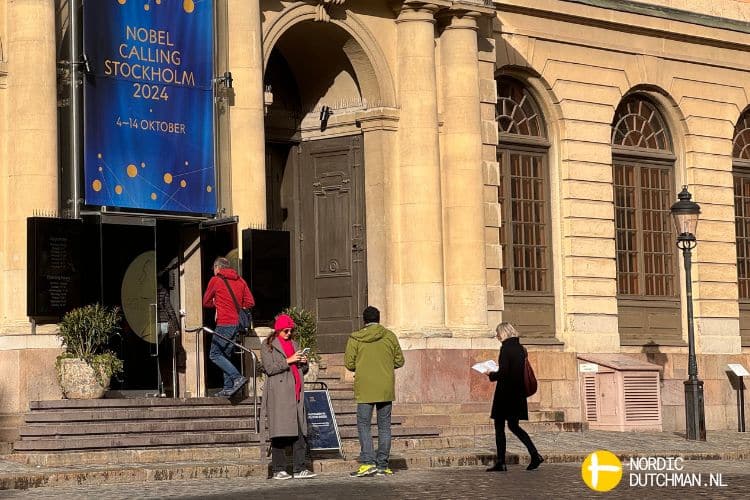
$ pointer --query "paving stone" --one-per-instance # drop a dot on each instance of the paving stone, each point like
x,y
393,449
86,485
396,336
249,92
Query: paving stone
x,y
550,481
558,448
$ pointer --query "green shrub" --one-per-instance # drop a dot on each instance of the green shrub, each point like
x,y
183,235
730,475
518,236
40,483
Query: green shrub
x,y
305,330
85,333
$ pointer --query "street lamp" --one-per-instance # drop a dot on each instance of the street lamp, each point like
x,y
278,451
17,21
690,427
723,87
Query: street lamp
x,y
685,215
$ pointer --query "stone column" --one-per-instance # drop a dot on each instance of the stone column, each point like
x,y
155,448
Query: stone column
x,y
463,201
246,116
30,177
379,128
420,308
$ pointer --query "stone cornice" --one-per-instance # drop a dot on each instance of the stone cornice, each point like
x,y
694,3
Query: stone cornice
x,y
574,12
480,7
668,13
378,119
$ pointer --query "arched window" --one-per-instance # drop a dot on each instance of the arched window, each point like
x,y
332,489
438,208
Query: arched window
x,y
643,164
524,199
741,174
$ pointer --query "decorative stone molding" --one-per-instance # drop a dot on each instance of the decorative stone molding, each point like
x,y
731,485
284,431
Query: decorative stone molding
x,y
322,10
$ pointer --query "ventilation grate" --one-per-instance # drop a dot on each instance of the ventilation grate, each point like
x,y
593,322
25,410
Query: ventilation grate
x,y
589,387
642,397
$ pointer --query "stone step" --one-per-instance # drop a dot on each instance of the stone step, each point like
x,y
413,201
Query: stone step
x,y
65,404
488,429
221,452
398,431
68,428
140,472
161,413
132,441
546,416
37,430
351,419
341,386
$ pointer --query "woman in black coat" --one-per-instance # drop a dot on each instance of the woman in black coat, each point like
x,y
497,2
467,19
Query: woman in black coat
x,y
509,403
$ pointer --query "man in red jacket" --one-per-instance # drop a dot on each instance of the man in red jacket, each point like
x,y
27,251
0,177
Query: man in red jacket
x,y
227,320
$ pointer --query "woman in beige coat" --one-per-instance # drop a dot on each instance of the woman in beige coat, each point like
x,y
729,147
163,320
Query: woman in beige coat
x,y
283,399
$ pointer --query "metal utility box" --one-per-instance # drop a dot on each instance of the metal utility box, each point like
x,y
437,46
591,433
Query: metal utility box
x,y
620,393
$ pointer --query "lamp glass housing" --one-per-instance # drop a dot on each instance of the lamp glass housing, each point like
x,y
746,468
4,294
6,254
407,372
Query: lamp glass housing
x,y
685,213
685,223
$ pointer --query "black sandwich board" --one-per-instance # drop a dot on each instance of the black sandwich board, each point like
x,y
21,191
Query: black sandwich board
x,y
322,430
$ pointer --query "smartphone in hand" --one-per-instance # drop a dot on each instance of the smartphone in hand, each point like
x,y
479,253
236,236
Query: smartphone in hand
x,y
305,351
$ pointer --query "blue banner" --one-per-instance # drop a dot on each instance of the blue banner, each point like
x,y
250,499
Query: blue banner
x,y
149,105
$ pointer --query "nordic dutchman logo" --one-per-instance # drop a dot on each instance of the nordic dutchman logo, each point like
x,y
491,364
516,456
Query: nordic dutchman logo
x,y
601,471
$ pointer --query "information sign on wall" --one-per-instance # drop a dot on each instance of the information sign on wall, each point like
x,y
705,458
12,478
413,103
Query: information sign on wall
x,y
54,267
148,104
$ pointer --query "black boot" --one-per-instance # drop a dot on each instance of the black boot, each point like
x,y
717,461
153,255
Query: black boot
x,y
498,467
536,461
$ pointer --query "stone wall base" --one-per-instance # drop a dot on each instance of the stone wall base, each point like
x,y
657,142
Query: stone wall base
x,y
433,376
27,375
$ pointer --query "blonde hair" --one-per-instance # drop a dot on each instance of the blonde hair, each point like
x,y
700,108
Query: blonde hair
x,y
505,331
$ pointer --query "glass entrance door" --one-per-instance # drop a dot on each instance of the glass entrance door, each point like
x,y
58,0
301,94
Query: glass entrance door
x,y
129,281
218,238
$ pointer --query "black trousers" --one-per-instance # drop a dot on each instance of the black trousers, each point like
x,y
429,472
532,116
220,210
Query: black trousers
x,y
278,452
515,429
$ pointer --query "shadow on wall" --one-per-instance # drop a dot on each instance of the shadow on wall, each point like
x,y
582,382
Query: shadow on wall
x,y
655,356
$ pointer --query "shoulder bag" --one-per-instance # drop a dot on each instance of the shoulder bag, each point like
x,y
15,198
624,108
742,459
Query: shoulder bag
x,y
244,315
529,379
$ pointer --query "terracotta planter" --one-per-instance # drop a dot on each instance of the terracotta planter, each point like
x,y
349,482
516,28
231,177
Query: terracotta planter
x,y
78,381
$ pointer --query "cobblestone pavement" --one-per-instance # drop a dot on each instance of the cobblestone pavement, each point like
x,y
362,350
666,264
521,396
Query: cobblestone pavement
x,y
550,481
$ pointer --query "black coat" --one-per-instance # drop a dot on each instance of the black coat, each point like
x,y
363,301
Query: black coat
x,y
510,394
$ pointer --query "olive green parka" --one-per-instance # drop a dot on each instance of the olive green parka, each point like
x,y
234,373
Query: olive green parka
x,y
373,353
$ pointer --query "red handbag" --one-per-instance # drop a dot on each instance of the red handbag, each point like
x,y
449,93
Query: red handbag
x,y
529,379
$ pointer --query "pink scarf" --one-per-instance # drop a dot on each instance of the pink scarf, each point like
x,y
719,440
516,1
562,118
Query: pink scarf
x,y
288,348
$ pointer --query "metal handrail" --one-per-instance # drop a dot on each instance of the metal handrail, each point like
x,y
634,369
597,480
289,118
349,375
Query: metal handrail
x,y
253,356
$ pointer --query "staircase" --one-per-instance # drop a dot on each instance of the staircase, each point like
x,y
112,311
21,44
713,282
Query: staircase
x,y
154,430
69,432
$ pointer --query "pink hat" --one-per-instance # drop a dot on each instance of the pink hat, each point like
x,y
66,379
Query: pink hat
x,y
283,321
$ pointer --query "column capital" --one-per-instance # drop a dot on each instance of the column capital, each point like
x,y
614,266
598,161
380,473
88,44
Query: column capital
x,y
418,10
459,20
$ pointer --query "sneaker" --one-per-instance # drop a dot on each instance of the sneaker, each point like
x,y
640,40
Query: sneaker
x,y
305,474
386,471
282,475
237,385
364,470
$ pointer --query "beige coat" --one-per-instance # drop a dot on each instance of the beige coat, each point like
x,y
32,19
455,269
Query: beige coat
x,y
280,404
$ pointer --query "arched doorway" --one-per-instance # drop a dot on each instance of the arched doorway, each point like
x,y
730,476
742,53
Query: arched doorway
x,y
315,171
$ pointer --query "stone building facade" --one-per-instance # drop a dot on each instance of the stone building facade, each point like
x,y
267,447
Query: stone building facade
x,y
517,160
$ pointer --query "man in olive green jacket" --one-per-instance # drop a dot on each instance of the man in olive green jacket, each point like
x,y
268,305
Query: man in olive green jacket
x,y
373,353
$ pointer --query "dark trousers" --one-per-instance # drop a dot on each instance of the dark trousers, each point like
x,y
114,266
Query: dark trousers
x,y
278,453
515,429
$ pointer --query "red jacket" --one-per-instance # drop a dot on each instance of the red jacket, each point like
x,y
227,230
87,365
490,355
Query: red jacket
x,y
218,296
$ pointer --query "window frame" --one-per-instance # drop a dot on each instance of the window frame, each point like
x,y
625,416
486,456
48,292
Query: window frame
x,y
741,168
540,149
639,164
663,324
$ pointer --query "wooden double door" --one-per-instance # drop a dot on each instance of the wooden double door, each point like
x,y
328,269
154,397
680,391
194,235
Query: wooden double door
x,y
319,186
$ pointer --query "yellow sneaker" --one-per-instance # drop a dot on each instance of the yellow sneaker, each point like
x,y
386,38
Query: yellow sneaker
x,y
384,472
364,470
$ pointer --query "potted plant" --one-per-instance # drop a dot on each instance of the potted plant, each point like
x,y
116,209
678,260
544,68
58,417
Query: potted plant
x,y
85,367
305,330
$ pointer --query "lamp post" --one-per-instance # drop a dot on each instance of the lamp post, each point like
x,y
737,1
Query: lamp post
x,y
685,215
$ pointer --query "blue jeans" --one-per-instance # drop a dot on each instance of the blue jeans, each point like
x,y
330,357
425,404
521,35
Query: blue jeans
x,y
221,352
364,419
